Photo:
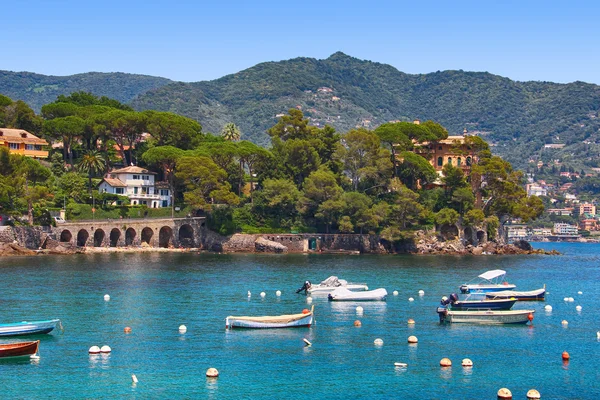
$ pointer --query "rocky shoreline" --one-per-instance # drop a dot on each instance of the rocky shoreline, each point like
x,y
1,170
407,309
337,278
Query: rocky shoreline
x,y
34,241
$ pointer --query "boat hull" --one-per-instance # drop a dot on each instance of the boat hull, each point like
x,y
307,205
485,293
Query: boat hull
x,y
316,289
370,295
28,328
274,322
485,288
498,317
531,295
15,350
490,304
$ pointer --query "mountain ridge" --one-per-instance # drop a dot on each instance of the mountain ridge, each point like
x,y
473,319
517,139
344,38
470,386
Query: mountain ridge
x,y
517,117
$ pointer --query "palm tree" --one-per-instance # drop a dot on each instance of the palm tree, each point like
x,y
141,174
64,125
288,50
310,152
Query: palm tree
x,y
91,163
231,132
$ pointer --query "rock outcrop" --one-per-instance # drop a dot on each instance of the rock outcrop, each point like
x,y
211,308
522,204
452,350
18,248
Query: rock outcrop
x,y
267,246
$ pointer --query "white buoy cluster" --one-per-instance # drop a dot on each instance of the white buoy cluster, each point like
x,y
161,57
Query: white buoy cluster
x,y
569,299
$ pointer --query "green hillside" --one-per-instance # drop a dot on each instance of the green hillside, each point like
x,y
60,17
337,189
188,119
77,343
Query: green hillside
x,y
37,90
517,118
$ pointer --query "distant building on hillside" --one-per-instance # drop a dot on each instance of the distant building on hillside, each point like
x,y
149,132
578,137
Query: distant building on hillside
x,y
21,142
533,189
565,229
452,150
585,208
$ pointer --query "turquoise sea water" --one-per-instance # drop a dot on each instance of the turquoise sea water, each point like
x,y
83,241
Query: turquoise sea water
x,y
155,293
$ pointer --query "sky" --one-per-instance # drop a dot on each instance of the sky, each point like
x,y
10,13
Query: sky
x,y
203,40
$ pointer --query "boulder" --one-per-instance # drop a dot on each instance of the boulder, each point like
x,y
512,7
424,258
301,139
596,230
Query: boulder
x,y
523,245
267,246
477,251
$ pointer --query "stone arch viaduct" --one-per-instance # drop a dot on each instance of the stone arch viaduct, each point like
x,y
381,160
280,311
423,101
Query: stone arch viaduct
x,y
167,232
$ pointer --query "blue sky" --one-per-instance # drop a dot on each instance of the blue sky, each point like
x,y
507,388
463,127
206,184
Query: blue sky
x,y
191,41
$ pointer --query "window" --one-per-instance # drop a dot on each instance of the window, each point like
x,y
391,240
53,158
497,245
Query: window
x,y
136,177
135,190
37,147
450,160
164,192
458,162
145,177
14,146
29,147
164,203
440,161
469,161
439,147
119,190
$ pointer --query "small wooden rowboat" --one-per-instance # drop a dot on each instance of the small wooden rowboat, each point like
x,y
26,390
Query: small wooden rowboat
x,y
271,322
22,349
29,328
531,295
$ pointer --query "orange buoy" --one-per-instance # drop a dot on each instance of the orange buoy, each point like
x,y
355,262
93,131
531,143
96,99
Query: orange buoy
x,y
357,323
127,329
305,311
565,355
530,317
445,362
504,394
411,321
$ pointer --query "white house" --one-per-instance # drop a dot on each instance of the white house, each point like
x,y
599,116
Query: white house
x,y
533,189
137,184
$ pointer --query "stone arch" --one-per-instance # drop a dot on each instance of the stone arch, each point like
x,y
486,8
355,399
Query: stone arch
x,y
165,236
458,162
480,236
186,235
449,232
115,235
147,234
129,236
82,237
66,236
98,237
450,160
468,233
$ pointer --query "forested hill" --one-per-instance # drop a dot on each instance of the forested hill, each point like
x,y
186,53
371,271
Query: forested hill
x,y
37,90
517,118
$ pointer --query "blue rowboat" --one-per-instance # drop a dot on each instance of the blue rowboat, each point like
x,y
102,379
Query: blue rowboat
x,y
29,328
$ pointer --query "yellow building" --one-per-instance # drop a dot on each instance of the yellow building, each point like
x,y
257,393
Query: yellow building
x,y
452,150
22,142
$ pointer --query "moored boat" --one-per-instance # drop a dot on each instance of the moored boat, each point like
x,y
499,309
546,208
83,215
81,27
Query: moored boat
x,y
530,295
494,317
343,294
329,285
271,322
29,328
490,281
22,349
477,302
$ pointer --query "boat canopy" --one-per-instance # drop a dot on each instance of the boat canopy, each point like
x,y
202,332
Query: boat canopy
x,y
489,275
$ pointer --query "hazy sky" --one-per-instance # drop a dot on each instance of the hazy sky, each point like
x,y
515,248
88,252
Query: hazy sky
x,y
202,40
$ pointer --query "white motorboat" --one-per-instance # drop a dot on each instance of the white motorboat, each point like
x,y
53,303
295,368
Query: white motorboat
x,y
329,285
343,294
490,281
270,322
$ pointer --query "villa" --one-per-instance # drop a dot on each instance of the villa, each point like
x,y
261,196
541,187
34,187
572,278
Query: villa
x,y
21,142
137,184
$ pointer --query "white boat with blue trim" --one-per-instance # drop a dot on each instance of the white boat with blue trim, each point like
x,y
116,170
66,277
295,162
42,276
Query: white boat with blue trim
x,y
343,294
490,281
29,328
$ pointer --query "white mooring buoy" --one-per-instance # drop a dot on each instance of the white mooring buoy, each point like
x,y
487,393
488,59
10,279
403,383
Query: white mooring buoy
x,y
278,293
134,379
262,294
106,297
182,329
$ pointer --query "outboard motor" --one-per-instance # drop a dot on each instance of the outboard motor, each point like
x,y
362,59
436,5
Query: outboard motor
x,y
453,298
464,289
304,287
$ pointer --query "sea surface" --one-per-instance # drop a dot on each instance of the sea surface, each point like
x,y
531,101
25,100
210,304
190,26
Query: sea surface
x,y
155,293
